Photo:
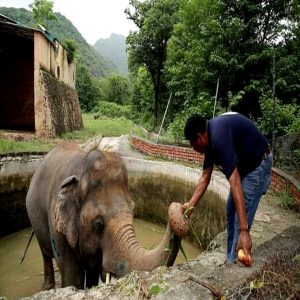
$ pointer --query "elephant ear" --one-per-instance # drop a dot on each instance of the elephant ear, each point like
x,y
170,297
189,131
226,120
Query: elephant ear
x,y
67,209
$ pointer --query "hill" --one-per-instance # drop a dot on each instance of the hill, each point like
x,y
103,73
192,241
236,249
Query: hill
x,y
63,29
114,49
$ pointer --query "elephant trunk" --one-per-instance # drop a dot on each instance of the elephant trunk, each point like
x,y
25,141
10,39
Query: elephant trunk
x,y
128,255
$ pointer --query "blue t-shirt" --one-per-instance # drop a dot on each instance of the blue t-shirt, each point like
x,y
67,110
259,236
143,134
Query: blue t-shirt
x,y
234,141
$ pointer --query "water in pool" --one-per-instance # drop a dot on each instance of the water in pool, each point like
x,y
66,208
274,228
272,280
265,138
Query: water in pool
x,y
20,280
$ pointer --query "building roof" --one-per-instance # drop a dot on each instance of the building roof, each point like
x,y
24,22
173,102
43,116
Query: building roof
x,y
8,25
7,19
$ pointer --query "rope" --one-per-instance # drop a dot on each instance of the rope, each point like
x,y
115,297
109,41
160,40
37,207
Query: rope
x,y
186,215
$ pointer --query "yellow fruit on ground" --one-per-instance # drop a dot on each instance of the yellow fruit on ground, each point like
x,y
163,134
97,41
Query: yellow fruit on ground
x,y
241,255
245,259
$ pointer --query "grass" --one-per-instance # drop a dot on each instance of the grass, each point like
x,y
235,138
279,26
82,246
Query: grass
x,y
286,201
11,146
92,128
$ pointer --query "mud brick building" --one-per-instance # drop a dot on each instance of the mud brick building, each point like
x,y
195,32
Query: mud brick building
x,y
37,83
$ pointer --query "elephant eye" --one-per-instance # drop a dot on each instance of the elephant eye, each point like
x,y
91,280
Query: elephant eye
x,y
98,224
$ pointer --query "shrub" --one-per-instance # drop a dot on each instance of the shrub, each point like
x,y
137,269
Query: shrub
x,y
286,201
285,117
71,47
112,110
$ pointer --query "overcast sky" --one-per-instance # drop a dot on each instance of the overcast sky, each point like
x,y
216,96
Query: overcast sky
x,y
94,19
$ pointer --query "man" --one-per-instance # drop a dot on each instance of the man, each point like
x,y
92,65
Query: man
x,y
234,144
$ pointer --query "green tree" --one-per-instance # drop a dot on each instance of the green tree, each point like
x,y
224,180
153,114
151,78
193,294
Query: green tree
x,y
116,88
286,116
147,47
87,88
264,25
232,41
71,47
42,11
142,108
195,55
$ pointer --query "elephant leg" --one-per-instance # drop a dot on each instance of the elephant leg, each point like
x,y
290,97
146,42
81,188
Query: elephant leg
x,y
92,277
49,281
72,273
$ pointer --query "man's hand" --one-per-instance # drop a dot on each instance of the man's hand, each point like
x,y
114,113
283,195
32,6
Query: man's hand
x,y
201,187
244,242
187,209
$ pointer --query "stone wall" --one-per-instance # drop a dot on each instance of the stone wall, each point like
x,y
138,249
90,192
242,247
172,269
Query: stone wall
x,y
281,182
57,107
15,174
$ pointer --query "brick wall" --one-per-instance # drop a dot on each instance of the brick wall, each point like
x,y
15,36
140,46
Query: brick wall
x,y
171,152
280,181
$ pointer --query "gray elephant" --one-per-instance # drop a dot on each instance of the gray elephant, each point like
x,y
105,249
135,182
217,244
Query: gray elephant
x,y
81,212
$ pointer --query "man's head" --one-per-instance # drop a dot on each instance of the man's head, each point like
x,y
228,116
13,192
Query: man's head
x,y
196,132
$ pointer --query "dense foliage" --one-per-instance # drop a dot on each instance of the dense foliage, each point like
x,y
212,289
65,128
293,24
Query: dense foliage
x,y
71,47
248,49
142,95
237,48
87,88
112,110
116,88
42,12
148,46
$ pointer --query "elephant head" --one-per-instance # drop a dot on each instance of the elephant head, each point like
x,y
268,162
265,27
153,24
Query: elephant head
x,y
94,211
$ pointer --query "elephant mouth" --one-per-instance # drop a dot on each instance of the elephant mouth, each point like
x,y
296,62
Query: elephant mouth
x,y
120,269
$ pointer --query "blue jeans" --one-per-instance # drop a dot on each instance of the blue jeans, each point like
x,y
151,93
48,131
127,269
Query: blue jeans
x,y
254,185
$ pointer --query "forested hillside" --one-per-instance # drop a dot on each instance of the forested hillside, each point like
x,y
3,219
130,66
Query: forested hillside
x,y
114,49
63,30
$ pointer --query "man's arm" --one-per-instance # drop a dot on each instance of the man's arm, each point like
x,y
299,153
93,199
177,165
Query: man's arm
x,y
200,188
244,241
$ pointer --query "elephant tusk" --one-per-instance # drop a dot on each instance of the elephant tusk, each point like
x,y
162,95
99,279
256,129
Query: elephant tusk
x,y
107,280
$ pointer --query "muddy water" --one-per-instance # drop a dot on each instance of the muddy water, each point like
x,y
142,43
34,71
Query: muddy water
x,y
20,280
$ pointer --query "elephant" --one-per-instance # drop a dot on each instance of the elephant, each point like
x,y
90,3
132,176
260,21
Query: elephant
x,y
81,212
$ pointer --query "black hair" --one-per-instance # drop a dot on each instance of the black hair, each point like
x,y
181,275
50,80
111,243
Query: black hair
x,y
194,125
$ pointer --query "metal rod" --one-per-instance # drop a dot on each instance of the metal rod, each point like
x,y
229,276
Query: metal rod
x,y
273,109
163,118
28,243
216,96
